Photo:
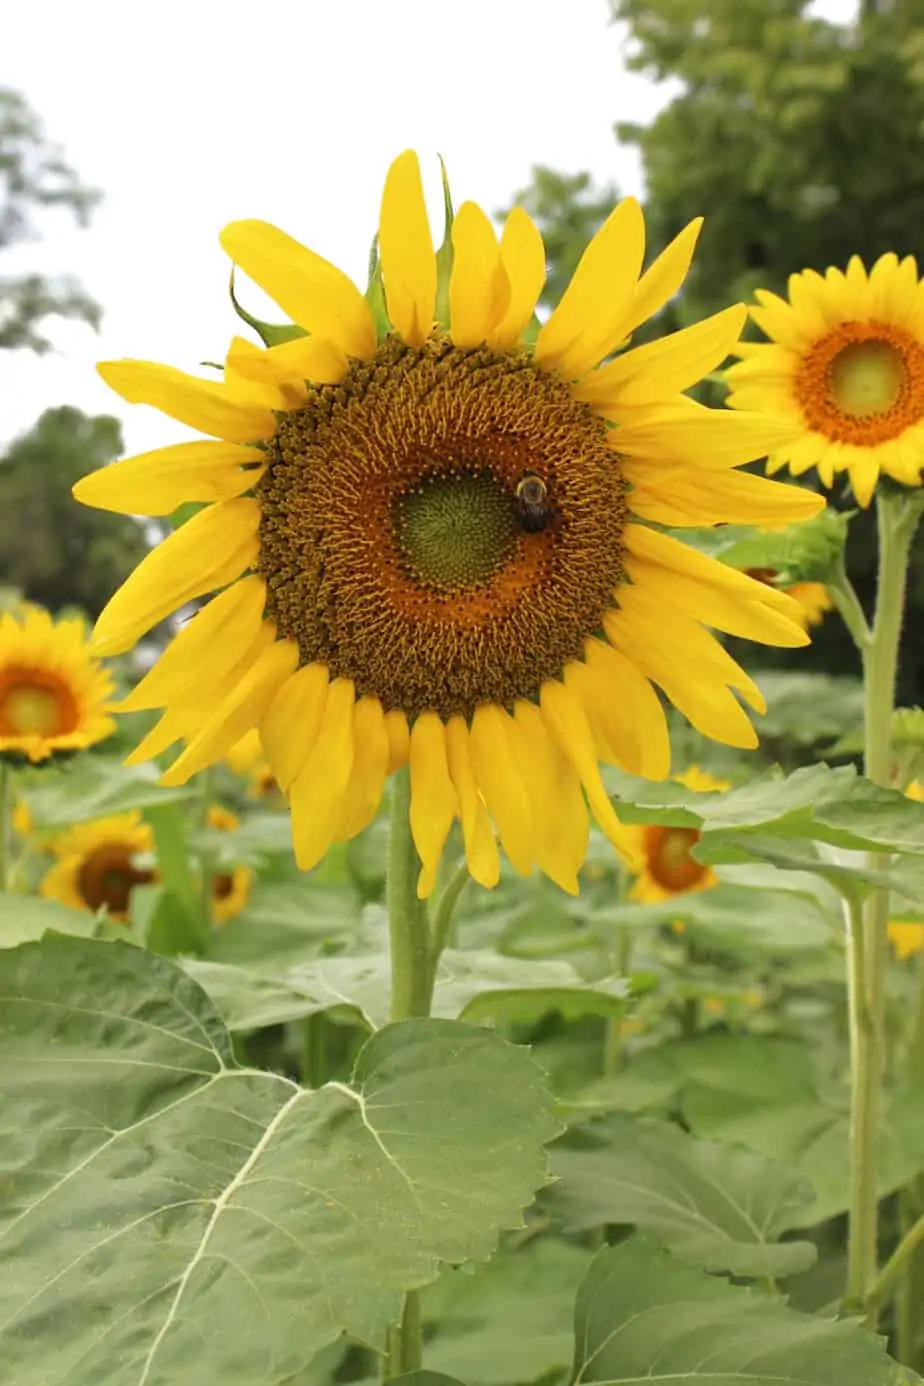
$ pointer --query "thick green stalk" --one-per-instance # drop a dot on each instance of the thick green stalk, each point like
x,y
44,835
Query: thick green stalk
x,y
411,994
408,926
890,1277
898,517
6,804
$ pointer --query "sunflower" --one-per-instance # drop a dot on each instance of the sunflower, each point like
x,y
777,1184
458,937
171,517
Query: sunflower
x,y
661,857
906,937
230,889
247,759
845,363
813,597
54,696
97,865
433,543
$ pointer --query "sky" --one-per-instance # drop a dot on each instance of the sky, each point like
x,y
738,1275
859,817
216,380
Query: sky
x,y
188,114
289,111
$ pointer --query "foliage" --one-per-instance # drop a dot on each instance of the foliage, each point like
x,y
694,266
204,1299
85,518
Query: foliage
x,y
53,551
34,176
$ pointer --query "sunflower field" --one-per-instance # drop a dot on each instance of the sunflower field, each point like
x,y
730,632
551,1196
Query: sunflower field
x,y
436,957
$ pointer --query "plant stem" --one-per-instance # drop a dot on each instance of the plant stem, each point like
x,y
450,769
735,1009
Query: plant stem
x,y
445,914
408,926
412,976
848,605
6,803
891,1275
898,517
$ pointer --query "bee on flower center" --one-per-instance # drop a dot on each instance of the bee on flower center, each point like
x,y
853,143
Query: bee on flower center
x,y
533,509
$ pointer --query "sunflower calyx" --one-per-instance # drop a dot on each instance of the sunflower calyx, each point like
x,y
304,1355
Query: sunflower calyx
x,y
808,552
270,333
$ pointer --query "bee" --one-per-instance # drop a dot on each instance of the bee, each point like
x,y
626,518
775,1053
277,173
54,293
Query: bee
x,y
533,510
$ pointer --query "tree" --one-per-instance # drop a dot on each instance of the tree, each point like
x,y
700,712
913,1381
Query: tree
x,y
33,176
53,550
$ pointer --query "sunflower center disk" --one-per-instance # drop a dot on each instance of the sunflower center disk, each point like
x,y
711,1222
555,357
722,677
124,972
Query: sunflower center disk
x,y
669,860
444,527
867,378
456,531
108,877
31,709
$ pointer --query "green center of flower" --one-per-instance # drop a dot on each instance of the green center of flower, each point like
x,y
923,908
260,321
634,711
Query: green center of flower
x,y
455,531
32,710
867,378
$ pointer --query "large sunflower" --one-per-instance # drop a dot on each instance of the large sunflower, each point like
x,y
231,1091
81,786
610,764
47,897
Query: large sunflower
x,y
98,865
845,364
444,554
54,696
660,857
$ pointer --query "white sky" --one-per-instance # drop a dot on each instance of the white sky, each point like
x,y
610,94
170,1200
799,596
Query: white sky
x,y
191,113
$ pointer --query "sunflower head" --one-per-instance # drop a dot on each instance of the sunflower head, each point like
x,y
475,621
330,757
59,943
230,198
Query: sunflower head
x,y
230,893
54,697
661,858
431,537
845,363
99,864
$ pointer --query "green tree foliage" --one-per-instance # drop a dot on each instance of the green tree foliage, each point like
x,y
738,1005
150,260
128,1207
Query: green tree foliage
x,y
568,208
34,176
52,550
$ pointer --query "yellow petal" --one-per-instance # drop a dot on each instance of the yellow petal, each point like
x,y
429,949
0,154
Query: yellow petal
x,y
209,551
479,291
290,725
173,726
317,794
248,378
481,853
639,704
681,496
565,719
370,766
590,319
155,483
664,276
399,739
747,618
314,293
523,260
666,366
238,711
406,249
557,807
307,358
500,780
207,645
687,432
433,796
207,405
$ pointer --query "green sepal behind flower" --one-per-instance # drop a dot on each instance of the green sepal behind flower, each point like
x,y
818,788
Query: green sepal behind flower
x,y
270,333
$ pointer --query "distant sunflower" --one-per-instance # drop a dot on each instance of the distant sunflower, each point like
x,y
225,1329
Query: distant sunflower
x,y
246,758
54,697
845,364
445,557
97,865
813,597
230,889
661,857
906,937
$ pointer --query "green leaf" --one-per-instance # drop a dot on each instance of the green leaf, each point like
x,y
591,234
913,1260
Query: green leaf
x,y
474,985
772,920
714,1206
284,923
175,1218
94,786
181,890
508,1320
807,552
642,1317
27,917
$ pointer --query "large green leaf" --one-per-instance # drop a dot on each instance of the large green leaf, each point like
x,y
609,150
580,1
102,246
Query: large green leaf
x,y
474,985
173,1218
717,1207
284,923
510,1320
26,917
642,1317
95,786
766,920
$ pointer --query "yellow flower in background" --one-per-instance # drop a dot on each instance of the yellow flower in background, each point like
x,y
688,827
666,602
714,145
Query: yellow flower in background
x,y
230,889
246,759
21,820
813,597
661,858
97,865
906,938
845,363
54,697
434,547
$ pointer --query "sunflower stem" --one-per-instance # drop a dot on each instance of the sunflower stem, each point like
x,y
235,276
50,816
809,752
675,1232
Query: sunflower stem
x,y
898,517
6,804
445,915
413,966
848,605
